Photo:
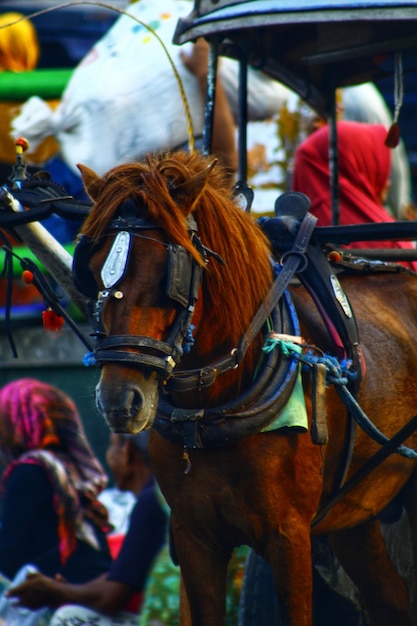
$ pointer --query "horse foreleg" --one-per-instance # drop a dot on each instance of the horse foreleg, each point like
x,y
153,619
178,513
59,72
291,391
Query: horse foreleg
x,y
363,555
185,615
289,555
204,574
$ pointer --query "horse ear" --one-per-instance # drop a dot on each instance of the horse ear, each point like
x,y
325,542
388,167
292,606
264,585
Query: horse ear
x,y
192,188
92,182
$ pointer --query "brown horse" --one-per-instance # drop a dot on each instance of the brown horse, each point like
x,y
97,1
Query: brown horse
x,y
174,217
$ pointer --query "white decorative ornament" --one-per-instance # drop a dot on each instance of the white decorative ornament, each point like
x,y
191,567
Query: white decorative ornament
x,y
115,265
341,296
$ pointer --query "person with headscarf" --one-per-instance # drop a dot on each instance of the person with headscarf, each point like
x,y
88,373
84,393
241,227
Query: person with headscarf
x,y
363,174
142,586
365,103
51,517
115,597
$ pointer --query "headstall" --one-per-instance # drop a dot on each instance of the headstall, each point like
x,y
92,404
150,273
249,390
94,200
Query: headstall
x,y
183,281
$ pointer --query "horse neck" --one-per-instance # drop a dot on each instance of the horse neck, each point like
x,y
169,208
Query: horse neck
x,y
212,343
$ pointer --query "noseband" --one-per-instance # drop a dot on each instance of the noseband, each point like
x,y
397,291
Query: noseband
x,y
183,281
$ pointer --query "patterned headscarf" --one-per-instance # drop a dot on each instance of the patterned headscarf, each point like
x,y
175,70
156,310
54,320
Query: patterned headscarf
x,y
40,424
19,46
364,168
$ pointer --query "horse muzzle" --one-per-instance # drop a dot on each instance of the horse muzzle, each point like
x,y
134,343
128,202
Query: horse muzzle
x,y
128,406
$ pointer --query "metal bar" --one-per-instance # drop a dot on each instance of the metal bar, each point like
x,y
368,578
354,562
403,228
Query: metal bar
x,y
243,116
210,97
333,153
383,254
399,231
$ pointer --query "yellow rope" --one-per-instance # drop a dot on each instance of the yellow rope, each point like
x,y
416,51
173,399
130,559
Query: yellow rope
x,y
105,5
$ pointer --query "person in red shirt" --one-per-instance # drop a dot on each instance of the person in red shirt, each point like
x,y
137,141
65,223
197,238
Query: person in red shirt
x,y
364,166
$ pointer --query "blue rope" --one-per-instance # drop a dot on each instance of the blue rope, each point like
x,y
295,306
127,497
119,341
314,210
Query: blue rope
x,y
188,339
338,373
89,359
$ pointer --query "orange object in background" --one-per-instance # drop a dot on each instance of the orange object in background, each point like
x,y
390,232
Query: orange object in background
x,y
19,52
22,293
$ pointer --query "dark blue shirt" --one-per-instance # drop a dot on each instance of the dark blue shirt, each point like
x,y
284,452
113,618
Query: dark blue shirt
x,y
29,531
144,539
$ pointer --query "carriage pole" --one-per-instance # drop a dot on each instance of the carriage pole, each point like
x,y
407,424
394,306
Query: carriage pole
x,y
243,114
49,251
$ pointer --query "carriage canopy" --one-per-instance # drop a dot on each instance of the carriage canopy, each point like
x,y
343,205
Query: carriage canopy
x,y
312,46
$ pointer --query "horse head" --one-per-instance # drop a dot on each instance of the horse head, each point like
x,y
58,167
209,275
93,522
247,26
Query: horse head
x,y
149,255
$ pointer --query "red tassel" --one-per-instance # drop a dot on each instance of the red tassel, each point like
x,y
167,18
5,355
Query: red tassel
x,y
393,136
52,321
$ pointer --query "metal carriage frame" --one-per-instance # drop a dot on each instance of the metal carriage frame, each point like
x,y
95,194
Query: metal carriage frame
x,y
313,47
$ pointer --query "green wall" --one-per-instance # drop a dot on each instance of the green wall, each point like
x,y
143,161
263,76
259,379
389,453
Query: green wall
x,y
58,361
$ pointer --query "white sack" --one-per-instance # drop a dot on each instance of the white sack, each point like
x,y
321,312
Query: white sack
x,y
123,100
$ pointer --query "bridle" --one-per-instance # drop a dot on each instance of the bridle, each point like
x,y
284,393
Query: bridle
x,y
183,283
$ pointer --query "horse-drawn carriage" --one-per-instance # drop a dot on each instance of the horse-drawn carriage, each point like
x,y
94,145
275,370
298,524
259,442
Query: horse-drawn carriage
x,y
204,339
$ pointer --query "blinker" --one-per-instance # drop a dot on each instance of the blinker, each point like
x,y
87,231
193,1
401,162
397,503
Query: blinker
x,y
83,277
180,273
114,266
181,286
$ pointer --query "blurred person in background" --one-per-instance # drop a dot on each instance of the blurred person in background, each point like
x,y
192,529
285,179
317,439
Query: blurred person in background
x,y
51,517
142,587
114,597
364,178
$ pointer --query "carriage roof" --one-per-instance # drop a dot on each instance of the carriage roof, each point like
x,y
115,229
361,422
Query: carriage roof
x,y
311,46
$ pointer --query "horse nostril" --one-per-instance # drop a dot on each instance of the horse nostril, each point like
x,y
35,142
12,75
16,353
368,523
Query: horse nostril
x,y
135,404
99,404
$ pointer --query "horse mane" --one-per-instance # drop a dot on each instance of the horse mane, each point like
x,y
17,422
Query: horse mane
x,y
240,285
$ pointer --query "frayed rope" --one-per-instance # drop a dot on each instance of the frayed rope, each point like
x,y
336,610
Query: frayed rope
x,y
337,372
